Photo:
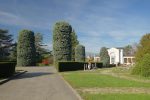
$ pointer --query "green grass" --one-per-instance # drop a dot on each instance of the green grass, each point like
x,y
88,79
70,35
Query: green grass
x,y
88,96
78,80
81,80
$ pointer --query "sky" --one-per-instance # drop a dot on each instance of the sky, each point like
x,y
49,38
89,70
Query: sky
x,y
97,23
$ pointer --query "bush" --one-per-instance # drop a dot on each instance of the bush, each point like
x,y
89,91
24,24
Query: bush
x,y
73,66
143,66
26,52
7,69
79,53
62,42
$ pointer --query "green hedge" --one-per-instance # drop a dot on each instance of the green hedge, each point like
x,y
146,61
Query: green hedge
x,y
73,66
7,69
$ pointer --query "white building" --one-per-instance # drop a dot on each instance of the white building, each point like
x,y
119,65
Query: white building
x,y
116,57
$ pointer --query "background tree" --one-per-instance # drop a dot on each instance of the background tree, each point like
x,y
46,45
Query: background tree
x,y
74,43
40,50
144,47
26,52
142,66
129,50
80,53
62,42
105,59
5,44
13,53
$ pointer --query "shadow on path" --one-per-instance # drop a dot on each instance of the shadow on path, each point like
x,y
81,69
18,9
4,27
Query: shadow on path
x,y
32,74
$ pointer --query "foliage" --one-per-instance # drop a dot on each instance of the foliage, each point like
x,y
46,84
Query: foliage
x,y
40,51
5,44
62,42
45,61
26,52
80,53
105,59
74,43
13,53
128,50
143,48
143,66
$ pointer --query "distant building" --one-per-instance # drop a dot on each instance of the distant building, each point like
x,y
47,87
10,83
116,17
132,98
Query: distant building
x,y
117,57
96,59
93,57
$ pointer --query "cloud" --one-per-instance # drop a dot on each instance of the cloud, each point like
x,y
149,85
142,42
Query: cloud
x,y
101,23
14,19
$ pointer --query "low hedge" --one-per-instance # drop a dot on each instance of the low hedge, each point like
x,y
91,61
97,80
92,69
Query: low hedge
x,y
7,69
73,66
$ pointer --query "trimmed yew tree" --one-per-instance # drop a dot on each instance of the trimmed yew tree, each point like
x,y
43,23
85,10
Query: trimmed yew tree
x,y
74,43
79,53
26,52
62,42
105,59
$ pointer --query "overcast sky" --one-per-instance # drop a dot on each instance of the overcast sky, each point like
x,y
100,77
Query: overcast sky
x,y
98,23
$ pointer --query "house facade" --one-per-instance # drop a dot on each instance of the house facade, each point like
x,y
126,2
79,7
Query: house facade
x,y
117,57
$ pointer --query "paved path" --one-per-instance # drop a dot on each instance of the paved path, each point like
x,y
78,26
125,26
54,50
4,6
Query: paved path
x,y
39,83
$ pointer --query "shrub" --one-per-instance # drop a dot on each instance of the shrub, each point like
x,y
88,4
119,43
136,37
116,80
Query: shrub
x,y
143,66
45,61
26,52
62,42
73,66
7,69
79,53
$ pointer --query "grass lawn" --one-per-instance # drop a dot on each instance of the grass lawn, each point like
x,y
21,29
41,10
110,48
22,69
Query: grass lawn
x,y
109,84
116,96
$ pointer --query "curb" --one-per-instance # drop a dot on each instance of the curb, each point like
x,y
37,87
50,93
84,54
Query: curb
x,y
12,77
73,90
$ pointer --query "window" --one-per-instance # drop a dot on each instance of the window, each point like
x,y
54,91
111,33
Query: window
x,y
112,60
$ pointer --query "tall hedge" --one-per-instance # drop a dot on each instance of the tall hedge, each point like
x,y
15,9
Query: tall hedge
x,y
105,59
79,53
62,42
26,51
